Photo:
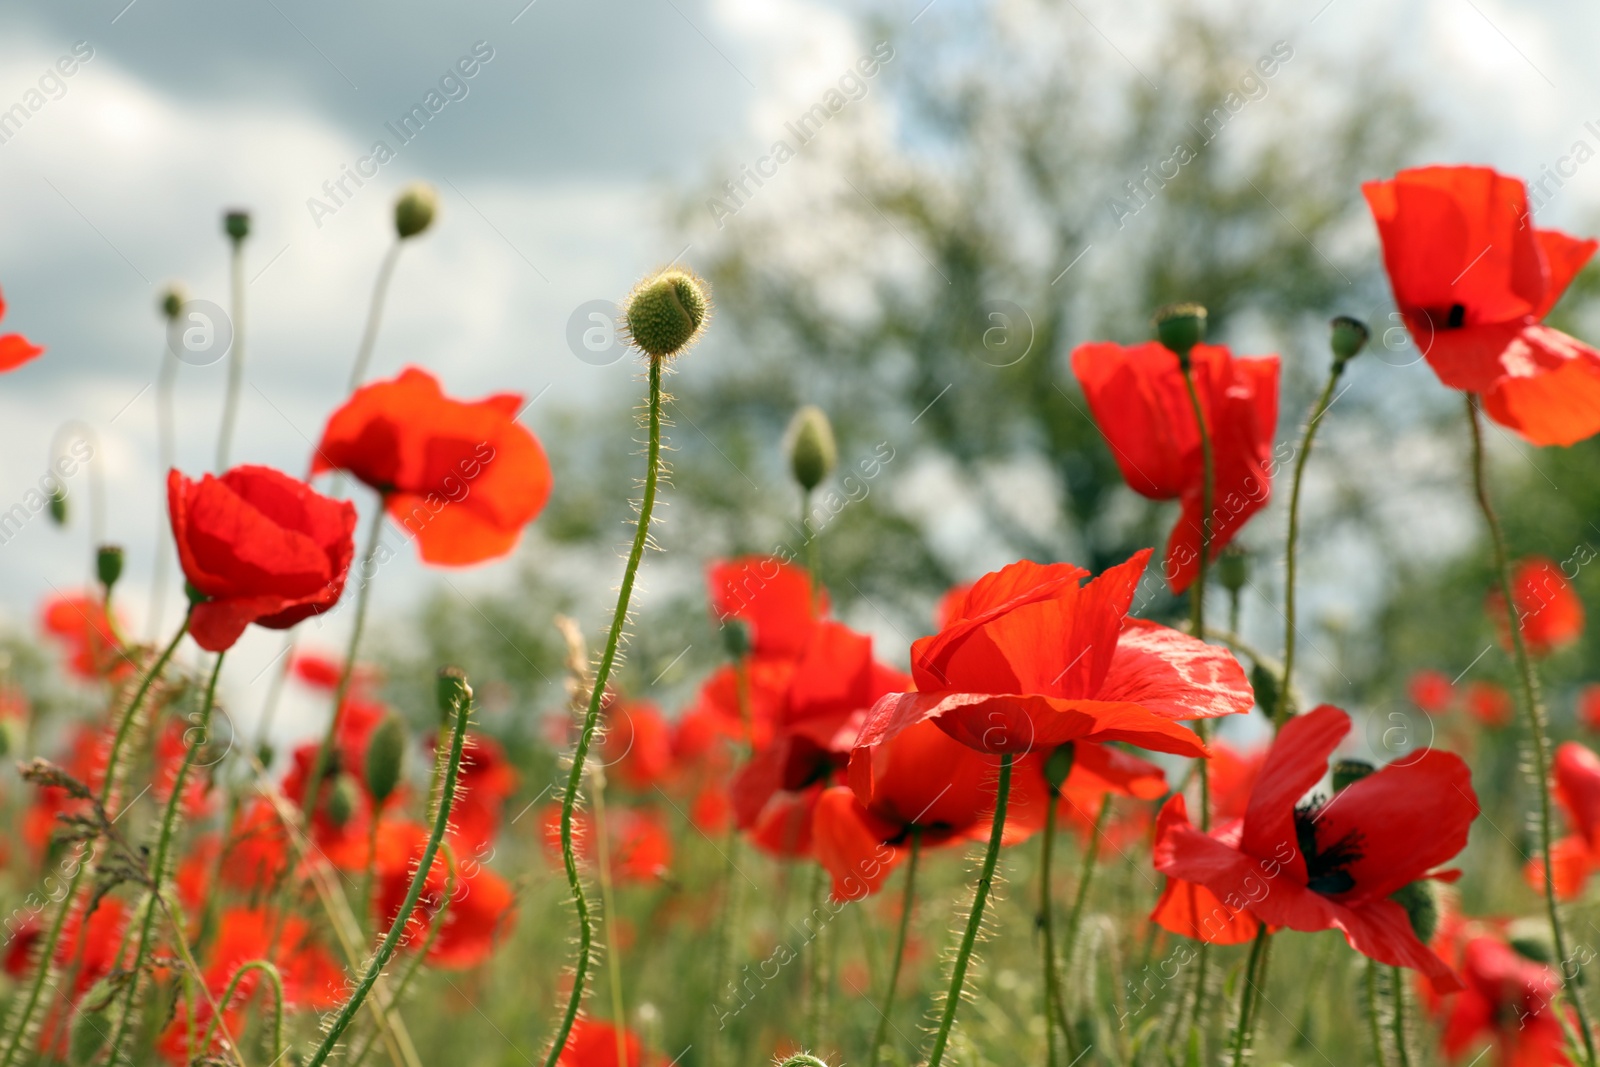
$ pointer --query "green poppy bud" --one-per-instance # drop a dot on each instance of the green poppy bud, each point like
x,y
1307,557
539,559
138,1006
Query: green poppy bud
x,y
1180,327
1233,568
266,753
236,224
1268,688
386,753
1347,772
1347,337
666,313
736,638
108,565
414,210
172,301
1421,901
812,451
1531,939
802,1059
1059,766
58,507
341,801
453,689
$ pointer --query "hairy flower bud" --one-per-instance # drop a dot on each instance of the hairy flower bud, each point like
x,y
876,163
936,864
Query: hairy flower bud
x,y
1347,337
386,753
172,301
236,224
811,448
341,801
415,208
1059,766
1531,939
1348,772
1421,901
1180,327
1233,568
666,313
108,565
58,507
453,689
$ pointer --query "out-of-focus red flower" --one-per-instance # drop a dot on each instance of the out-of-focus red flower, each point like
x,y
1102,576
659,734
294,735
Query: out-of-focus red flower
x,y
1549,612
640,846
15,349
258,850
594,1044
462,477
1490,703
1233,777
1099,771
172,743
1588,710
1474,280
312,978
1141,403
1577,789
486,779
923,782
87,948
638,745
78,622
1038,658
1332,865
320,671
85,759
480,910
1507,1001
261,547
1431,691
774,599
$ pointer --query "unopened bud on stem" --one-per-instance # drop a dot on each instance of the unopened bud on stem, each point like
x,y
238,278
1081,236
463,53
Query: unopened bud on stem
x,y
453,689
172,301
812,451
108,565
386,753
414,210
1347,338
666,313
1180,327
236,224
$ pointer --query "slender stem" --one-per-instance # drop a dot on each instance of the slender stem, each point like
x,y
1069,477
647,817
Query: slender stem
x,y
1091,853
1374,1017
230,402
813,551
380,959
319,766
369,335
275,980
417,958
1249,992
1047,925
958,972
608,915
158,865
166,378
1397,991
1307,436
1529,683
907,903
580,752
816,964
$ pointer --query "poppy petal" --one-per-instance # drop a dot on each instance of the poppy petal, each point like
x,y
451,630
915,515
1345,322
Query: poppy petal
x,y
1296,761
1175,675
1550,389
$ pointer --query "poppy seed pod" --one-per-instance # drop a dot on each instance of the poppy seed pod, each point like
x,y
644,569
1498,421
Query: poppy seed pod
x,y
1347,337
58,507
1059,766
415,208
172,301
386,753
1180,327
453,689
812,451
341,801
736,638
236,224
1421,901
666,313
1348,772
108,565
1233,568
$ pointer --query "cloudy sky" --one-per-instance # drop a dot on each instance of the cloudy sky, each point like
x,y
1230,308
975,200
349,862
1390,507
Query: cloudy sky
x,y
556,161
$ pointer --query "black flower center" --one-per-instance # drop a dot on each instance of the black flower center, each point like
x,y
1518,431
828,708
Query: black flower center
x,y
1325,864
1457,317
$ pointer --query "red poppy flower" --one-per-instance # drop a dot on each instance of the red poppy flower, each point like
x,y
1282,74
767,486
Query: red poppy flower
x,y
481,908
1549,612
86,949
258,850
462,477
1141,404
922,780
638,744
1431,691
320,671
641,847
15,349
1473,280
1508,1000
594,1044
1332,864
1490,704
1037,659
487,778
1588,711
773,598
1577,789
80,625
261,547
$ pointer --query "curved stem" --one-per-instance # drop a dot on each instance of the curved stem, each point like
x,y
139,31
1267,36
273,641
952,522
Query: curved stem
x,y
1281,712
1091,855
1397,990
369,335
608,914
1529,683
958,972
1047,925
580,752
1374,1018
380,959
158,865
275,980
816,963
319,766
1250,993
230,400
907,903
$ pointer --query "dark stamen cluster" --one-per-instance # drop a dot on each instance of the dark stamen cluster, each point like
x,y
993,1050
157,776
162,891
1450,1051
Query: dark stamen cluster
x,y
1325,866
